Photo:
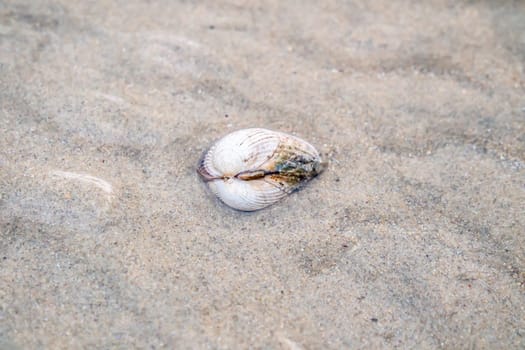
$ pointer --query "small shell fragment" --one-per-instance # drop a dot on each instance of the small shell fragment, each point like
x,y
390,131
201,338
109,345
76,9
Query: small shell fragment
x,y
251,169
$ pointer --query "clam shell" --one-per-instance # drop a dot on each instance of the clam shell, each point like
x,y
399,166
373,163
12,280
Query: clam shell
x,y
251,169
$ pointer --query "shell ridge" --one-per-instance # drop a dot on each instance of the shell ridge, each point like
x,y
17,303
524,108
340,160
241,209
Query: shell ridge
x,y
264,135
279,186
266,160
206,168
248,197
263,199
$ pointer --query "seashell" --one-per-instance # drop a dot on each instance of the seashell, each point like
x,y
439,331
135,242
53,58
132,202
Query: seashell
x,y
251,169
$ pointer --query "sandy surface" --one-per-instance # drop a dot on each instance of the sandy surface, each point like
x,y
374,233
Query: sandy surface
x,y
414,237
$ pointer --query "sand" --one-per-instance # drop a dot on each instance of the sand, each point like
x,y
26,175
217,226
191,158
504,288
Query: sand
x,y
413,237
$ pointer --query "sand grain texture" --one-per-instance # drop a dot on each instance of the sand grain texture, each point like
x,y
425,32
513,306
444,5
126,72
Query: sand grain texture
x,y
414,237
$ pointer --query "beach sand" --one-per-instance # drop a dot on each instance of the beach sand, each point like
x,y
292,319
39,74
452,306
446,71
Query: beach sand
x,y
413,237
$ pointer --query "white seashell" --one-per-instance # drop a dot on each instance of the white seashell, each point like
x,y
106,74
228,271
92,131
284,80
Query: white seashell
x,y
251,169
